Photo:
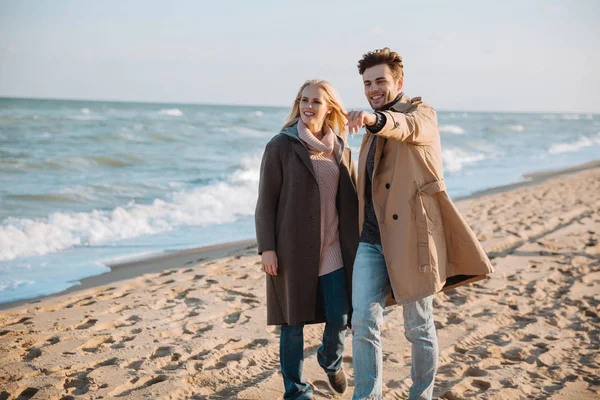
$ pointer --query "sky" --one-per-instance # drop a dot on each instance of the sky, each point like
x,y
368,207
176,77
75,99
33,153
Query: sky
x,y
511,55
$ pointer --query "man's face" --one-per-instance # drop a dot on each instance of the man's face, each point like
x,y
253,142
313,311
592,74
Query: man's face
x,y
380,85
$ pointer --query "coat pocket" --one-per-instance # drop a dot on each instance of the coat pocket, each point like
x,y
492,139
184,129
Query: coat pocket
x,y
428,222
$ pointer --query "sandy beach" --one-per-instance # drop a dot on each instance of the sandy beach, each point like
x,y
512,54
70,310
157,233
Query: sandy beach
x,y
192,325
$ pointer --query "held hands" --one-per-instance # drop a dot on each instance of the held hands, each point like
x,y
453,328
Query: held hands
x,y
357,119
269,262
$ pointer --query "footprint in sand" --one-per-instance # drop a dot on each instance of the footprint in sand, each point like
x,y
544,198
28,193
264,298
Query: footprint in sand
x,y
257,343
500,339
475,371
127,389
518,354
154,381
136,365
134,318
201,328
193,302
95,344
120,295
161,351
228,358
32,354
232,318
454,319
127,338
110,361
106,292
23,320
479,384
529,338
78,381
187,271
87,324
53,340
118,309
27,393
321,388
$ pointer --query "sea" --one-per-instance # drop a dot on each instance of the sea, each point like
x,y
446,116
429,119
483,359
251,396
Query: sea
x,y
85,184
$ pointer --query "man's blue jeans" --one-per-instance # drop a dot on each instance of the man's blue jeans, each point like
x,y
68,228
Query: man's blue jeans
x,y
291,345
371,284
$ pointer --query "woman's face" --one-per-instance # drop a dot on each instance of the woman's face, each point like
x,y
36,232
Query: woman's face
x,y
313,107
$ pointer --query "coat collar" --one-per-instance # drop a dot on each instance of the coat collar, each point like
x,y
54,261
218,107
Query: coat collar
x,y
402,104
302,150
292,131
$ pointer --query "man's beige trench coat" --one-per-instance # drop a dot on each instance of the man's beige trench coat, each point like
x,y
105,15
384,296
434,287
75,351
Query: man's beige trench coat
x,y
427,244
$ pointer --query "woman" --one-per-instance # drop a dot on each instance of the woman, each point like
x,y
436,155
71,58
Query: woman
x,y
307,233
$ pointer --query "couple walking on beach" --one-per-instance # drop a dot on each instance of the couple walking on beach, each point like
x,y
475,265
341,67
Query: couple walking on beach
x,y
338,248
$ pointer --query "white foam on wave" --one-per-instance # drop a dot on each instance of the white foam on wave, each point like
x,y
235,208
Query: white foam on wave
x,y
246,131
457,130
456,158
87,117
173,112
85,111
79,193
6,284
124,134
516,127
223,202
579,144
570,116
459,115
258,113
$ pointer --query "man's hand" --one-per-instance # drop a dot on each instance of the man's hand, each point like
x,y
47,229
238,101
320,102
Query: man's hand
x,y
357,119
269,262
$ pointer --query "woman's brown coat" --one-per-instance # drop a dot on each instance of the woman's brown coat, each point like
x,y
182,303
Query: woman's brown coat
x,y
288,221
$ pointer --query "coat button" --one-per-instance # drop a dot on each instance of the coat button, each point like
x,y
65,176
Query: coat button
x,y
397,124
395,216
387,185
313,217
314,186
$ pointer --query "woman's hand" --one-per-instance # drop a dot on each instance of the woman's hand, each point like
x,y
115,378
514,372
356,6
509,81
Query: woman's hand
x,y
269,262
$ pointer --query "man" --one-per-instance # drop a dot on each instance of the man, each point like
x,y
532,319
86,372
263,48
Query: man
x,y
413,241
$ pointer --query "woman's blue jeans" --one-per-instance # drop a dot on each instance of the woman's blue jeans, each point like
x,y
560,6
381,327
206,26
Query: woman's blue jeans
x,y
371,285
334,292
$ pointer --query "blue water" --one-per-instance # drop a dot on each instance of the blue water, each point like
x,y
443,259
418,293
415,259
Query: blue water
x,y
83,183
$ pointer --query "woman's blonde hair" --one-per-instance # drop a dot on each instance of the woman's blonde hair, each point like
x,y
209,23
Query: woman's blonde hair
x,y
335,119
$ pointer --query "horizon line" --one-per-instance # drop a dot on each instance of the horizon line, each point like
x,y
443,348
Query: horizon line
x,y
2,97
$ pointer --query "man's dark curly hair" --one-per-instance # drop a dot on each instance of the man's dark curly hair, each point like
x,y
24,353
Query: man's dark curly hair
x,y
382,56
